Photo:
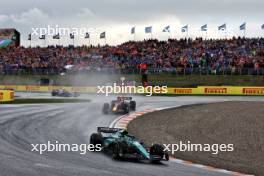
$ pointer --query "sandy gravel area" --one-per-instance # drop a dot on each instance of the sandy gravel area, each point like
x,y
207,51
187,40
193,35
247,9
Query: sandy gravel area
x,y
237,123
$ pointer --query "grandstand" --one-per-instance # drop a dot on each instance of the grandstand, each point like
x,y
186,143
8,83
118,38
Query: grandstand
x,y
238,56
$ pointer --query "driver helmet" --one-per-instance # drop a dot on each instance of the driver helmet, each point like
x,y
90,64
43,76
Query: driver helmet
x,y
124,132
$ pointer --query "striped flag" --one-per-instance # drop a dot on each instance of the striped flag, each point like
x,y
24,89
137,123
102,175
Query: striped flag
x,y
204,27
184,28
222,27
242,27
166,29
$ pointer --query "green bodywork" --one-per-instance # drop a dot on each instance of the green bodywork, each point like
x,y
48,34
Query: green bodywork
x,y
131,142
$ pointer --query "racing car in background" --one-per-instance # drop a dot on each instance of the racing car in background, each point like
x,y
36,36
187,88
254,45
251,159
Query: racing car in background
x,y
122,145
121,105
63,93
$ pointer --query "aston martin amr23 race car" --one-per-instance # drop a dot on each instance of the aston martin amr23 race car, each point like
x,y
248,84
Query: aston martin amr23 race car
x,y
122,145
63,93
121,105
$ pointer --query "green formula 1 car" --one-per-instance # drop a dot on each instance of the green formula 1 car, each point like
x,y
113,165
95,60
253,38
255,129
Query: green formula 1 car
x,y
122,145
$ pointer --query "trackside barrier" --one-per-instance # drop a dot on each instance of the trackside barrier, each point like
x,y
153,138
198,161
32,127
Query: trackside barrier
x,y
49,88
218,90
200,90
6,95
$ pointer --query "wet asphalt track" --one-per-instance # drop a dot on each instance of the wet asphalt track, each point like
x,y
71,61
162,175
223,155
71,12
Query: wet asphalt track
x,y
22,125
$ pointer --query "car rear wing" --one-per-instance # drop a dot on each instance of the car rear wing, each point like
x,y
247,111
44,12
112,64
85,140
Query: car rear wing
x,y
124,98
108,130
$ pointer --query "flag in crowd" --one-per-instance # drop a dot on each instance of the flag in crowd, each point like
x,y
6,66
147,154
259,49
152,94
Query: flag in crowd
x,y
148,29
29,36
71,36
184,28
242,27
102,35
166,29
222,27
57,36
133,30
42,37
87,35
204,27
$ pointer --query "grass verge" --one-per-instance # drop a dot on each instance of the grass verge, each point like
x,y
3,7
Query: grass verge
x,y
44,101
161,79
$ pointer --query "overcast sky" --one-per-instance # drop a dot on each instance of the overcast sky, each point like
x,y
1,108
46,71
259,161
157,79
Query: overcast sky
x,y
116,17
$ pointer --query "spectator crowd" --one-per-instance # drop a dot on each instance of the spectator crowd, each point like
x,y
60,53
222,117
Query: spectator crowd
x,y
180,56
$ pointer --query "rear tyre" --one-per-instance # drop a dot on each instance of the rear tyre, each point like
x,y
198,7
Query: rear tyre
x,y
133,105
96,139
126,108
53,93
106,108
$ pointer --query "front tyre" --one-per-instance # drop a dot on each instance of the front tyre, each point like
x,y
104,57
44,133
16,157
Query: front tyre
x,y
118,151
115,154
167,157
157,153
133,105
